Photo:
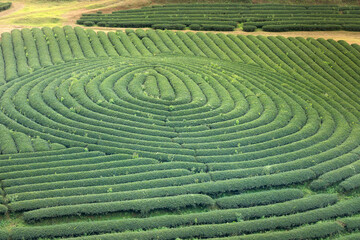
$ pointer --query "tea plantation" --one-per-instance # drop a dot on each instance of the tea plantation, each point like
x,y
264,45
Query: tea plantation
x,y
171,135
227,16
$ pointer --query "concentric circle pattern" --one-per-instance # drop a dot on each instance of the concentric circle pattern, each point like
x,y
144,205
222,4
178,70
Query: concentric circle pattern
x,y
179,146
172,109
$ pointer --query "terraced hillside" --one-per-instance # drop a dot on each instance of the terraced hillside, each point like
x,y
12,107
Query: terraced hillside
x,y
165,135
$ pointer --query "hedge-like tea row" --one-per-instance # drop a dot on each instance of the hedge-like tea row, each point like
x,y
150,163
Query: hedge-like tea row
x,y
215,17
18,142
109,162
156,183
259,198
314,231
104,173
216,216
351,223
143,205
98,181
352,236
151,114
338,174
350,183
300,27
244,227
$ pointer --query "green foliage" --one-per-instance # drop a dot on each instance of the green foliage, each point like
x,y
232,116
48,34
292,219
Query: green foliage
x,y
259,198
249,28
4,235
142,121
88,23
244,227
7,144
221,16
300,27
9,57
144,206
216,216
169,26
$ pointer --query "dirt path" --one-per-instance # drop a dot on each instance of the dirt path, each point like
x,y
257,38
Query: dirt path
x,y
71,17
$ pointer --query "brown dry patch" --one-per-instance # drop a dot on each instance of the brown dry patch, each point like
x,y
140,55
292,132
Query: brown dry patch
x,y
72,16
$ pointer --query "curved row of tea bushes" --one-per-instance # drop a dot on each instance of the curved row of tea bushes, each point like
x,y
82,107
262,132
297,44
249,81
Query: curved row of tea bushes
x,y
98,181
42,46
344,208
313,231
98,163
350,184
143,205
18,44
33,163
337,174
9,57
97,46
7,143
215,17
302,25
110,196
103,189
74,42
39,158
259,198
17,142
105,172
198,183
31,157
229,132
215,217
64,46
352,236
84,42
53,46
351,223
331,74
